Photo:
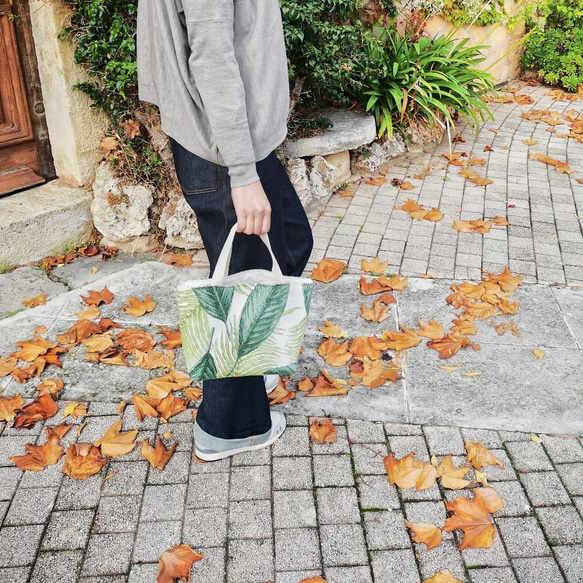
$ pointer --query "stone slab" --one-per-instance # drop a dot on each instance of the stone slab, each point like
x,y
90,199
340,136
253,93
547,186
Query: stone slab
x,y
22,284
349,131
36,221
570,301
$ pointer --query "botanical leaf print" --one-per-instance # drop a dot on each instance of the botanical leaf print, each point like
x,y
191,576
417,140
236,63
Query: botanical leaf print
x,y
215,300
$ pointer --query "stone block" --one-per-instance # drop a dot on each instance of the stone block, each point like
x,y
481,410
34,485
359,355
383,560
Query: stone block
x,y
341,163
544,489
19,545
537,569
250,483
302,553
240,568
117,514
523,537
386,530
152,539
68,530
294,509
163,502
570,558
60,567
397,566
337,505
343,545
347,575
208,491
205,527
250,519
561,524
292,473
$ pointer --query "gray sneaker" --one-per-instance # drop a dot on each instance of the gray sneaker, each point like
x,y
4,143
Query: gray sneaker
x,y
209,448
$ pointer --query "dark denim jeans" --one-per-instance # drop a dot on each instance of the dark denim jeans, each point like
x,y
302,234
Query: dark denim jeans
x,y
235,408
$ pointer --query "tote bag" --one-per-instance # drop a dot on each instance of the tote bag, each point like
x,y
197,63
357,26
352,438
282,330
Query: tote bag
x,y
246,324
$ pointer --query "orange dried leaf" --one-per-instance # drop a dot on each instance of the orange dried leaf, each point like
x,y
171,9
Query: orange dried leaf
x,y
374,374
137,308
114,443
131,339
78,332
97,298
328,270
193,393
39,300
171,405
43,407
37,457
7,365
443,577
83,460
409,473
172,381
401,340
154,359
173,338
98,343
372,287
89,313
59,431
75,410
488,499
479,456
432,331
434,215
333,353
306,385
473,161
473,520
9,406
145,406
395,283
428,534
474,177
500,221
175,563
111,356
463,226
452,478
158,456
31,349
505,280
410,206
332,330
463,328
326,386
367,347
560,167
316,579
376,266
387,299
449,345
281,394
378,313
376,181
179,260
22,375
323,431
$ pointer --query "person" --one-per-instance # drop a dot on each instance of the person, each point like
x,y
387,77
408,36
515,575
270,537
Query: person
x,y
217,70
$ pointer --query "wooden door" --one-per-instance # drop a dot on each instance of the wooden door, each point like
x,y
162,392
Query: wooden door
x,y
19,161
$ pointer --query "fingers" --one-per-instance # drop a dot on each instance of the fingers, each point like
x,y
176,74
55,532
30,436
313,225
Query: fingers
x,y
252,209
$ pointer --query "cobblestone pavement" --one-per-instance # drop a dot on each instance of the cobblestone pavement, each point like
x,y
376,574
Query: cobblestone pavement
x,y
299,509
294,511
543,242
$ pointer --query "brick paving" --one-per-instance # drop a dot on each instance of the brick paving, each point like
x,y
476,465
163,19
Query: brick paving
x,y
299,509
543,242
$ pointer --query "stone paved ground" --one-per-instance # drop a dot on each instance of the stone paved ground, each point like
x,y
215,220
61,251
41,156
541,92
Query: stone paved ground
x,y
543,242
301,509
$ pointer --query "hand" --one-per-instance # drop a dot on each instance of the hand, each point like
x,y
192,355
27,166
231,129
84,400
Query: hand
x,y
252,208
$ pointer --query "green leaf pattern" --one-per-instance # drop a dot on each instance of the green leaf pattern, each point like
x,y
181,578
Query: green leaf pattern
x,y
251,329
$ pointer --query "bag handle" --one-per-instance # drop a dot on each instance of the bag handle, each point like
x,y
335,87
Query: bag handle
x,y
222,267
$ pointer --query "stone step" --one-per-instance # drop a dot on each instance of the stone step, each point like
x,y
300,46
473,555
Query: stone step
x,y
37,221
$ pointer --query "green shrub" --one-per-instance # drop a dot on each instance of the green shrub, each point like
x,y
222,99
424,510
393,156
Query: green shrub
x,y
432,78
554,45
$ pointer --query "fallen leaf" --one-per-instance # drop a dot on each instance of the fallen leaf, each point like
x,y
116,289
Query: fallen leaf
x,y
560,167
305,385
367,347
154,359
138,308
39,300
172,381
37,457
328,270
114,443
171,405
97,298
535,438
409,473
373,287
473,161
145,406
41,408
179,260
530,142
452,478
540,354
500,221
75,410
432,331
31,349
463,327
109,144
472,374
9,406
376,181
83,460
7,365
400,341
481,477
334,353
323,431
175,563
89,313
473,520
410,206
316,579
326,386
158,456
428,534
395,283
375,373
488,148
173,338
132,339
488,499
281,394
475,177
193,393
98,343
131,129
376,266
501,329
78,332
505,280
378,313
110,356
387,299
449,345
332,330
479,456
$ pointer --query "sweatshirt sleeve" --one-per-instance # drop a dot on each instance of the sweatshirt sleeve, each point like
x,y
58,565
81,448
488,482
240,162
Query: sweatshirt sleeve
x,y
213,63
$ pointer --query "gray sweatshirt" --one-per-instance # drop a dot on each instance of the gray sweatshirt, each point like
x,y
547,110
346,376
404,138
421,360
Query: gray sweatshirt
x,y
217,70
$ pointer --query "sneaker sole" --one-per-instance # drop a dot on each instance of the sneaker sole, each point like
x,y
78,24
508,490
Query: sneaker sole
x,y
213,457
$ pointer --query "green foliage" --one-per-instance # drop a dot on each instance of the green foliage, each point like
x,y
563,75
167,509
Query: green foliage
x,y
463,12
6,267
104,35
554,45
432,78
323,40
